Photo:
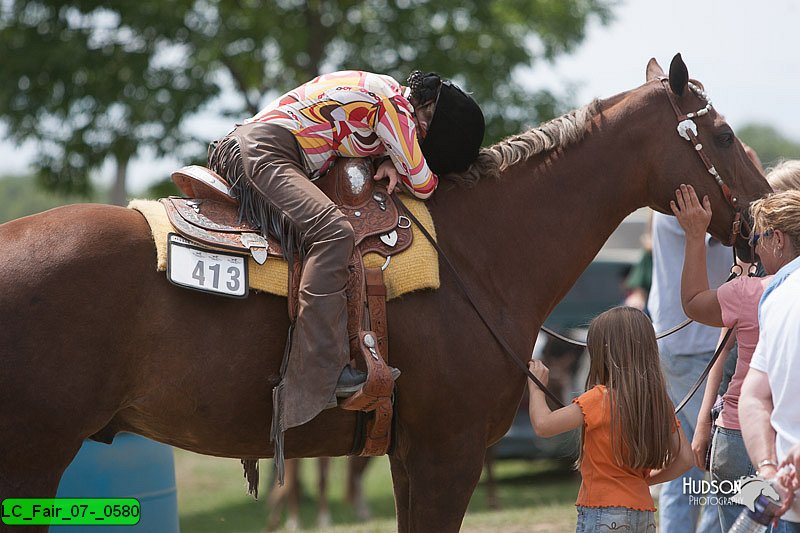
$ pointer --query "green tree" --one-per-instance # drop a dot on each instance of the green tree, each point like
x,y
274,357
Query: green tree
x,y
770,144
20,197
90,79
93,83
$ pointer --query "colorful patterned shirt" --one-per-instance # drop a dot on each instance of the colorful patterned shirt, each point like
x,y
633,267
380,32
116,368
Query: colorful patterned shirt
x,y
353,114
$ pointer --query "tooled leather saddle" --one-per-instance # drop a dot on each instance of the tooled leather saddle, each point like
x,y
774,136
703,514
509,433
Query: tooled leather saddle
x,y
209,216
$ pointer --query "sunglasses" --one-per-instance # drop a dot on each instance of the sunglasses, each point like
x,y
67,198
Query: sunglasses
x,y
755,236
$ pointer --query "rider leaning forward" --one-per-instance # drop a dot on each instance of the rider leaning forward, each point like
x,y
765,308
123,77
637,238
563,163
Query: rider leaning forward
x,y
427,129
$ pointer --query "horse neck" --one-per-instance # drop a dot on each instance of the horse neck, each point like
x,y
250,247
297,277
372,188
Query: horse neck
x,y
524,239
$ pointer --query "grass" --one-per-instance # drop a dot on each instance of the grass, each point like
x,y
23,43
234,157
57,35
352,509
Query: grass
x,y
535,496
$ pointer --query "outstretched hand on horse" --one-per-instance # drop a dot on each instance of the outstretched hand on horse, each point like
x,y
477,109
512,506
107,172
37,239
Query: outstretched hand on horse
x,y
693,216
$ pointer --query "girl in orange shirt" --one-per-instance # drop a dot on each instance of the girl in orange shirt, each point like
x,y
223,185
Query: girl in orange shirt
x,y
630,436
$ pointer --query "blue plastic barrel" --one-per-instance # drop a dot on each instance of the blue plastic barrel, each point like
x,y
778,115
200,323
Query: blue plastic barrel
x,y
131,467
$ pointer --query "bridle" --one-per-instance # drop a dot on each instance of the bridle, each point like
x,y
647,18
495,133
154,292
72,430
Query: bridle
x,y
687,129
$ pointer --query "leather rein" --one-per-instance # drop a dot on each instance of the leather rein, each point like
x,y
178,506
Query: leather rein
x,y
687,129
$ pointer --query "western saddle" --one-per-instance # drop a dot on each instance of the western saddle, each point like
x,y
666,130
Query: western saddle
x,y
209,217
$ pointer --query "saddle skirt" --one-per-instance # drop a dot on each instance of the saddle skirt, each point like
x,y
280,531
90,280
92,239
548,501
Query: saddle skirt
x,y
213,222
213,219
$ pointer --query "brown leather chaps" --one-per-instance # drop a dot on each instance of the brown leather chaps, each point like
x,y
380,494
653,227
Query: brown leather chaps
x,y
270,180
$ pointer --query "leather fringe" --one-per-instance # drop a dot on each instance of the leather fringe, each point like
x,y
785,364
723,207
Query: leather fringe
x,y
225,158
251,475
277,430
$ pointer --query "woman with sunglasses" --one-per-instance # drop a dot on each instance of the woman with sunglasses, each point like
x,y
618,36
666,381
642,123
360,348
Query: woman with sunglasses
x,y
419,132
733,305
769,391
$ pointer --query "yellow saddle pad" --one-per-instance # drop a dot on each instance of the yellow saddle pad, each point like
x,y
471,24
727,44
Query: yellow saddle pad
x,y
412,270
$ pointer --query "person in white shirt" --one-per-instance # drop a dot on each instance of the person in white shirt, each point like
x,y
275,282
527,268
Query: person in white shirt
x,y
769,394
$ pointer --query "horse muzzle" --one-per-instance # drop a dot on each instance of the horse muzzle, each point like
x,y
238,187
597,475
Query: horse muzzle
x,y
741,231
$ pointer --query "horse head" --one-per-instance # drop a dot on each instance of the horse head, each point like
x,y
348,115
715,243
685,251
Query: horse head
x,y
719,166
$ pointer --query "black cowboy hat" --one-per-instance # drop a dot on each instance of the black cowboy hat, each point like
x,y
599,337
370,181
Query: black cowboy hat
x,y
456,131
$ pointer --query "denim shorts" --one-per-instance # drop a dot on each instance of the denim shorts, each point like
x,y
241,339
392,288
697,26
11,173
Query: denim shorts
x,y
620,519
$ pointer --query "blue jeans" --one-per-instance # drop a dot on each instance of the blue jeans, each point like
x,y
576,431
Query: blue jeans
x,y
676,513
622,519
786,527
729,461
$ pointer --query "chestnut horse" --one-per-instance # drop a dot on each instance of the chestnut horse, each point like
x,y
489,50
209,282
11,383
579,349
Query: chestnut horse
x,y
93,340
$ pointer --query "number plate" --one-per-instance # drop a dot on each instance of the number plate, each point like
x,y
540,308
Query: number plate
x,y
203,270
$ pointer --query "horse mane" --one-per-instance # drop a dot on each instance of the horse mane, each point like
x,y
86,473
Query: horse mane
x,y
557,133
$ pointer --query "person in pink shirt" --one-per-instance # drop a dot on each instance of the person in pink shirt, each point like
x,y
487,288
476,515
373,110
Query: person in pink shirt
x,y
732,305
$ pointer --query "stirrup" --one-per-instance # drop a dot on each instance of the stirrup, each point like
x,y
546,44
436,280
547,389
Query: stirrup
x,y
346,392
340,393
350,380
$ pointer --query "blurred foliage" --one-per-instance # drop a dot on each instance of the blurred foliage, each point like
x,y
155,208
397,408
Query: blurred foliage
x,y
91,80
267,48
769,143
19,197
211,500
162,189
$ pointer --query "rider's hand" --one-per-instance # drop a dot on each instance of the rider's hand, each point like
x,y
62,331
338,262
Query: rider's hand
x,y
387,170
693,216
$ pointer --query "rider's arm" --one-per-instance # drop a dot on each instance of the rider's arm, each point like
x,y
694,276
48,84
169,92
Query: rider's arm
x,y
394,124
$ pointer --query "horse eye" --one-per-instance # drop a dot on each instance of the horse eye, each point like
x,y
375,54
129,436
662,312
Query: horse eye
x,y
725,139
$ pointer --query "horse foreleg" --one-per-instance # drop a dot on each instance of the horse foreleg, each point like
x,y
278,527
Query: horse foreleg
x,y
355,486
401,493
441,482
31,471
324,520
38,486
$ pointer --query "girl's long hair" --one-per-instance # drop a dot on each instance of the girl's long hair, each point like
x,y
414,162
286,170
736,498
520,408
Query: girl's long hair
x,y
624,358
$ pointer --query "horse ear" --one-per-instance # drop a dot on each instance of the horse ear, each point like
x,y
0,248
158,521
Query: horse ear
x,y
654,70
678,75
